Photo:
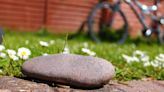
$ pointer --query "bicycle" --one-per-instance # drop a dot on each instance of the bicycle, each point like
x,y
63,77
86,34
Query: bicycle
x,y
115,8
148,30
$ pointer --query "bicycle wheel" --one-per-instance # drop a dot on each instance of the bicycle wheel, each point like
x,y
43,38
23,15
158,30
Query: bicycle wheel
x,y
122,30
1,35
161,31
107,31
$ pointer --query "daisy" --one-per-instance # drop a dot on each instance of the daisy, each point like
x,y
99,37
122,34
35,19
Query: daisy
x,y
130,59
43,43
88,51
2,55
11,52
24,53
14,58
139,53
2,47
45,54
66,50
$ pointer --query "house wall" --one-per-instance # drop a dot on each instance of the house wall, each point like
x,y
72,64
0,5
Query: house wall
x,y
21,14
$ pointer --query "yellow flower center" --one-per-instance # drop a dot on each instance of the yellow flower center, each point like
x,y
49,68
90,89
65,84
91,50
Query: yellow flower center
x,y
23,53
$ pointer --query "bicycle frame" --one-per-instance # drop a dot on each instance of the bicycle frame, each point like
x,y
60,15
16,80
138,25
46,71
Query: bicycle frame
x,y
141,19
146,10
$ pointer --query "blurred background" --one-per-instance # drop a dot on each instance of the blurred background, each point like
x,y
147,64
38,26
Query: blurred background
x,y
58,15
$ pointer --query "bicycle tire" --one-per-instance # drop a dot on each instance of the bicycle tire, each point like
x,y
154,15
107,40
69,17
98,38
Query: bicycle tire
x,y
161,38
1,35
160,34
90,23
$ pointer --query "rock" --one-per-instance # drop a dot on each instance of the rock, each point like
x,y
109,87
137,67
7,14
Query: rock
x,y
130,86
141,86
5,90
74,70
11,84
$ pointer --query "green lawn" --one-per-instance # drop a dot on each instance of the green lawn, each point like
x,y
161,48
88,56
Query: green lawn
x,y
110,51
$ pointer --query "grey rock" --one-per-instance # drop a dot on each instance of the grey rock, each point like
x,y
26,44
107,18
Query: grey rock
x,y
11,84
74,70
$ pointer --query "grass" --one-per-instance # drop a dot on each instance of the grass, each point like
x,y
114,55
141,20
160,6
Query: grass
x,y
110,51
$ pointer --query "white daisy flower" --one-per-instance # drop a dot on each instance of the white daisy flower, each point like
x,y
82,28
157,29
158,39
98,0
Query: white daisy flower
x,y
2,47
24,53
2,55
43,43
130,59
160,57
146,64
92,53
45,54
155,63
85,50
11,52
88,51
139,53
126,58
66,50
14,58
145,59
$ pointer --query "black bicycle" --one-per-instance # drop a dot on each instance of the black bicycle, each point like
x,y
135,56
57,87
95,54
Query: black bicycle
x,y
156,21
122,32
115,9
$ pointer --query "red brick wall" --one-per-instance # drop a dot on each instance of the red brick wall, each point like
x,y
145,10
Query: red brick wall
x,y
57,15
67,15
21,14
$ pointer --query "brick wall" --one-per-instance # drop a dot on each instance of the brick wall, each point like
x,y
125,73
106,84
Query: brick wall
x,y
57,15
67,15
21,14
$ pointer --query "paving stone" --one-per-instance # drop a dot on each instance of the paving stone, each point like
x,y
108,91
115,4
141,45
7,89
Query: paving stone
x,y
11,84
130,86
